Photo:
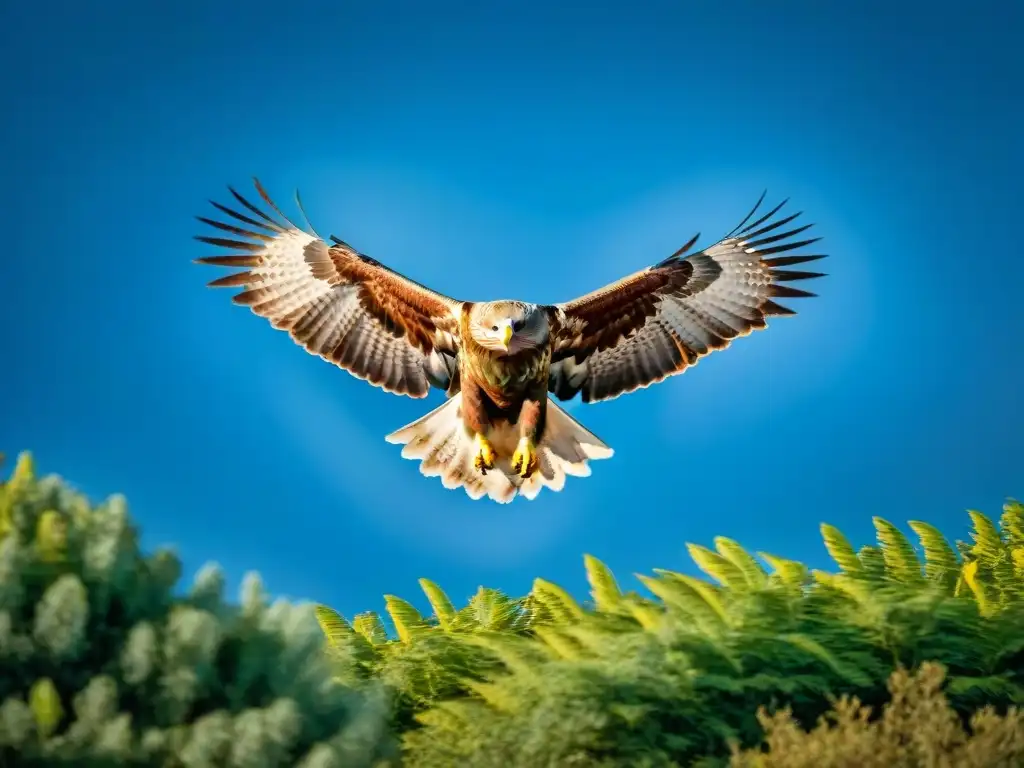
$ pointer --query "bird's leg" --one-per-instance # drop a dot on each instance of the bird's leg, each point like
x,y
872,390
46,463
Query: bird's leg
x,y
485,455
474,417
526,460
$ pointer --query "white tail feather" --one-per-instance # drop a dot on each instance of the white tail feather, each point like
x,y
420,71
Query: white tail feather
x,y
446,450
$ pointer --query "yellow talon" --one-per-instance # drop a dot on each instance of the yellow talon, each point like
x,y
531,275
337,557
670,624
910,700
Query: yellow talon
x,y
525,460
485,455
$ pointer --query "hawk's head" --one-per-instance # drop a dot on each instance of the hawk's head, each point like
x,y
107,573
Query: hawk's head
x,y
508,327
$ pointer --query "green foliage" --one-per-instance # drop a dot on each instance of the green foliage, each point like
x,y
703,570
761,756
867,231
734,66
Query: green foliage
x,y
916,729
101,663
679,677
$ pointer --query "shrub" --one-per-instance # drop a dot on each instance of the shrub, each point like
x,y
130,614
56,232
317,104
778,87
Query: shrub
x,y
678,678
101,663
917,729
761,663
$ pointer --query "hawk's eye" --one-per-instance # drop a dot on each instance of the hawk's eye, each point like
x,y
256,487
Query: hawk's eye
x,y
494,327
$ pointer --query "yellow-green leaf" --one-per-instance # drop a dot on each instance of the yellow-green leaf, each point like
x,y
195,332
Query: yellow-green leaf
x,y
647,615
557,600
695,597
717,567
970,573
24,471
44,701
941,564
752,571
337,631
439,602
603,587
370,626
497,696
405,617
789,572
840,549
51,536
562,646
988,543
901,561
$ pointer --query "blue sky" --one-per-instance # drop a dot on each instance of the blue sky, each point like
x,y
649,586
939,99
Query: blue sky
x,y
513,150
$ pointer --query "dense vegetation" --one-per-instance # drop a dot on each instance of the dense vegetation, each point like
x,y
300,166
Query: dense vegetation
x,y
762,663
102,664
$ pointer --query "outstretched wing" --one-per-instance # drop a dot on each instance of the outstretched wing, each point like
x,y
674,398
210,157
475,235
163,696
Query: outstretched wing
x,y
337,303
661,320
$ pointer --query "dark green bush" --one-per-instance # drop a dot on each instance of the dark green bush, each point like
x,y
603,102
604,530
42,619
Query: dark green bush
x,y
101,664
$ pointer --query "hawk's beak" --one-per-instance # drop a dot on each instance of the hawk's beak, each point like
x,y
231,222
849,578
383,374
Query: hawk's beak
x,y
507,336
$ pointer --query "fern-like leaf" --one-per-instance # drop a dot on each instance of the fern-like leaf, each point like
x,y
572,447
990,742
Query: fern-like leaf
x,y
497,696
717,567
941,565
647,614
753,572
562,646
988,543
370,626
1018,558
442,606
493,610
855,589
407,620
556,600
788,572
603,588
872,562
334,626
840,549
1012,523
978,589
696,597
845,670
901,561
520,655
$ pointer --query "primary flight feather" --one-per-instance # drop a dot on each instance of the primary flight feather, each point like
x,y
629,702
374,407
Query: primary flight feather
x,y
500,433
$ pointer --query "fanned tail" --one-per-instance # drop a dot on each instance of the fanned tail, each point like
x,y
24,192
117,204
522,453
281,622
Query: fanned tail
x,y
445,449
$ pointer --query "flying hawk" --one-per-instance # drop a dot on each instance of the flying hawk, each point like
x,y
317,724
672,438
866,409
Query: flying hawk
x,y
500,433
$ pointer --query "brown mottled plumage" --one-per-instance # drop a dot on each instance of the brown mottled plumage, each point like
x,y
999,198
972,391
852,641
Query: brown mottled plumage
x,y
499,434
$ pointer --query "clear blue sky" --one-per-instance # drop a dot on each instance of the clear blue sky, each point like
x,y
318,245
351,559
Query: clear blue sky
x,y
511,150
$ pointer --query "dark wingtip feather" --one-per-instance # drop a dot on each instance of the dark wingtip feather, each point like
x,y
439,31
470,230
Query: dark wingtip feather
x,y
789,261
783,247
224,242
786,292
225,227
771,308
747,217
777,236
276,226
681,252
233,280
229,261
788,276
266,198
302,210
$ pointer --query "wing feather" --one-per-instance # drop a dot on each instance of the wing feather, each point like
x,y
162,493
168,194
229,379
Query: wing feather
x,y
337,303
661,320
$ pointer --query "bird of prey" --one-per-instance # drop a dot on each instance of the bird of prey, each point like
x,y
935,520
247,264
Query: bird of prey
x,y
502,364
